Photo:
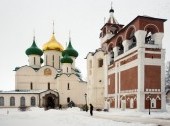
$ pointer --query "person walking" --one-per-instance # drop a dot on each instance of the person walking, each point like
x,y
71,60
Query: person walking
x,y
91,109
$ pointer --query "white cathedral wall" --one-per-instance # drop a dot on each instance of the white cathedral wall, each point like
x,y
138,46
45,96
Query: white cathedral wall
x,y
76,91
26,75
17,99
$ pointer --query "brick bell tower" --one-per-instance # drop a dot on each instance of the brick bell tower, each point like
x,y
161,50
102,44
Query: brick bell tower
x,y
135,63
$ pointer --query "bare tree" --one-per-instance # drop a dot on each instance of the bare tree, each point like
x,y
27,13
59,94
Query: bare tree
x,y
167,76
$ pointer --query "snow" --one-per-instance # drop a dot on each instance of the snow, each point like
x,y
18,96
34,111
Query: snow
x,y
75,117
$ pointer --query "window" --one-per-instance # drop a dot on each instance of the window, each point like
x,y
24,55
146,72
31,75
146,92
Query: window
x,y
12,101
53,61
100,63
68,99
68,86
67,69
33,101
1,101
31,86
48,86
34,61
22,101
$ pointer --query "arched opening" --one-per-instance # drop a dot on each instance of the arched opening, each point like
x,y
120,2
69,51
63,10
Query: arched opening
x,y
111,53
1,101
22,101
33,103
120,45
12,101
153,103
150,29
100,63
131,36
51,101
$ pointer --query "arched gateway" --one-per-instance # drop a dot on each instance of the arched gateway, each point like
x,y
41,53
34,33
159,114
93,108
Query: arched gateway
x,y
50,99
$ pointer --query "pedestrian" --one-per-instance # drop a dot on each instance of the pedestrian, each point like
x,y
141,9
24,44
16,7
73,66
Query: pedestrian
x,y
91,109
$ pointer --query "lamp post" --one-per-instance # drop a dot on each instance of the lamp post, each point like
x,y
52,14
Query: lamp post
x,y
86,100
149,104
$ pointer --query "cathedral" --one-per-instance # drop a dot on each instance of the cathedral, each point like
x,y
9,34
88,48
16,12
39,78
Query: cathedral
x,y
57,82
126,72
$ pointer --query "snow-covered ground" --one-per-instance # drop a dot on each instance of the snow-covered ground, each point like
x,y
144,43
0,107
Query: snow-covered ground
x,y
75,117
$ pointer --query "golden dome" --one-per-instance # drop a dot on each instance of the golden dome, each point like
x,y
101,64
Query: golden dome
x,y
53,45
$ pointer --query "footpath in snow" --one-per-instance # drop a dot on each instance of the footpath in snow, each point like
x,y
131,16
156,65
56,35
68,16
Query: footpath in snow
x,y
75,117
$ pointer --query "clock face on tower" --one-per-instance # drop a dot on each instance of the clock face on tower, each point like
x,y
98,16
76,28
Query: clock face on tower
x,y
47,72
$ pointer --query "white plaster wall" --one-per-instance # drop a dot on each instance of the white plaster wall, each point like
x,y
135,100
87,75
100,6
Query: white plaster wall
x,y
57,57
17,99
76,92
37,61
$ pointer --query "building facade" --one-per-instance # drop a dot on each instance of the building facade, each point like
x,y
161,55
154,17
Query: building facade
x,y
132,74
47,82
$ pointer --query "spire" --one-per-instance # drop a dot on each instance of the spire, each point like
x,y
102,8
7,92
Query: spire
x,y
34,35
53,27
111,10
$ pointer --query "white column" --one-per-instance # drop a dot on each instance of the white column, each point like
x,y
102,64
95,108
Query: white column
x,y
126,44
140,92
140,37
115,50
157,37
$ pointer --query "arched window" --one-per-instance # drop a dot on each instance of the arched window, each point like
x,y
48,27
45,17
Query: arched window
x,y
53,61
12,101
34,61
153,103
100,63
31,86
22,101
48,85
1,101
33,103
90,63
68,86
68,99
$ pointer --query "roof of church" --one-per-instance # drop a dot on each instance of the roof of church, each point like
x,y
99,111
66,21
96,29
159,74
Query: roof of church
x,y
70,50
34,50
53,44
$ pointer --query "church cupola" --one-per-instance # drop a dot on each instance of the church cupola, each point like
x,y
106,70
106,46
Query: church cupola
x,y
52,52
71,52
110,28
34,54
66,63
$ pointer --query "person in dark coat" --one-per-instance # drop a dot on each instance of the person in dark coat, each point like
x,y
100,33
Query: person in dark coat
x,y
91,109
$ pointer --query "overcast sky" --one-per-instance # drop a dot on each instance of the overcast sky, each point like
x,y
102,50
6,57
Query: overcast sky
x,y
84,18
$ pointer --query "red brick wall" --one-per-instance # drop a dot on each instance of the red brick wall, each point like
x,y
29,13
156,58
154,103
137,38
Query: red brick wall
x,y
149,55
152,77
111,87
129,79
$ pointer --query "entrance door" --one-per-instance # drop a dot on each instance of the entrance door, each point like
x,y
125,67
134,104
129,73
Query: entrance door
x,y
51,101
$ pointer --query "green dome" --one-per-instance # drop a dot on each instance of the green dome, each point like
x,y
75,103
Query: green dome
x,y
70,51
34,50
66,59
